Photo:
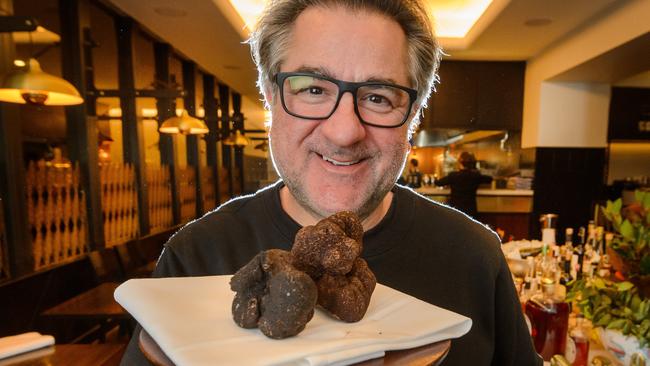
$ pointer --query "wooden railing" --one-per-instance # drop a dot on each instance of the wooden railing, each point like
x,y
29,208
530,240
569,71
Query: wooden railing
x,y
160,198
187,193
56,209
119,203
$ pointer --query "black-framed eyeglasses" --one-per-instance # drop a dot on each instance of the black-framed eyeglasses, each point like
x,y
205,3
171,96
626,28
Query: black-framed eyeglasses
x,y
313,96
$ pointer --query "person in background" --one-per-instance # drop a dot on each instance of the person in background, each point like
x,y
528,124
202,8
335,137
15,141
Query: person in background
x,y
346,81
414,177
464,183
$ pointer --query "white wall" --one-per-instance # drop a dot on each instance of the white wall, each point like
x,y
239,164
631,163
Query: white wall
x,y
543,100
573,115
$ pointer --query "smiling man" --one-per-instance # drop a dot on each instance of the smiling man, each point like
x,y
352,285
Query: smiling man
x,y
346,82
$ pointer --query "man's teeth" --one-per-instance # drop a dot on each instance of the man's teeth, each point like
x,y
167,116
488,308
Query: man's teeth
x,y
342,163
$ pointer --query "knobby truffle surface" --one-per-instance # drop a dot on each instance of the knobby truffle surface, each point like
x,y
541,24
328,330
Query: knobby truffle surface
x,y
329,252
347,297
272,295
331,246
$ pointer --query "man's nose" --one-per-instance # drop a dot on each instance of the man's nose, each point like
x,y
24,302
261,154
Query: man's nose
x,y
344,128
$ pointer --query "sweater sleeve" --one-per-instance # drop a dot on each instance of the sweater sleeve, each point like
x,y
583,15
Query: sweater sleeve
x,y
513,343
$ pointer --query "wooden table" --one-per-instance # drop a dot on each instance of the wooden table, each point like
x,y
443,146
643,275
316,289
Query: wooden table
x,y
70,354
96,304
431,354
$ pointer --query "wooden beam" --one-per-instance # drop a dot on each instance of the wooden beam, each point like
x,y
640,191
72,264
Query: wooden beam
x,y
226,151
211,119
12,171
167,108
82,133
132,130
189,101
238,120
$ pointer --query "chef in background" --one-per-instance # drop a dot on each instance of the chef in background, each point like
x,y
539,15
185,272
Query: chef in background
x,y
464,183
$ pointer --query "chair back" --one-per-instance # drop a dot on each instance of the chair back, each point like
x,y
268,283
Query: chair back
x,y
106,265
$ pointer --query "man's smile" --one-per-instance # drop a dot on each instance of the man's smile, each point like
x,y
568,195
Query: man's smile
x,y
340,162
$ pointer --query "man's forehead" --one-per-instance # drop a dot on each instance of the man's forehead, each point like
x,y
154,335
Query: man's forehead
x,y
349,45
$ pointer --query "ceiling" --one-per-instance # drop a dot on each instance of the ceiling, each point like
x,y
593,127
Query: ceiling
x,y
209,32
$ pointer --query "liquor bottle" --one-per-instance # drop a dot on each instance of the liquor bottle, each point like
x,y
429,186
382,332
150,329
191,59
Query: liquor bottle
x,y
577,348
578,254
549,318
568,238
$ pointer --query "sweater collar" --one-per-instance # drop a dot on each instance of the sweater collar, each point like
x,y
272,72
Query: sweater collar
x,y
387,233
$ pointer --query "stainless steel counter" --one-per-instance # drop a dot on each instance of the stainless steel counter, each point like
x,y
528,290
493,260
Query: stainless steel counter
x,y
489,200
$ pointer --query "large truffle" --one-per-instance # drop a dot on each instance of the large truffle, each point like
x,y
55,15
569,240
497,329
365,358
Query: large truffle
x,y
347,296
273,295
331,246
329,252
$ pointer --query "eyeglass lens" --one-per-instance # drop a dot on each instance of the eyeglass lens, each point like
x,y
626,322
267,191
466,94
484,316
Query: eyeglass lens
x,y
313,97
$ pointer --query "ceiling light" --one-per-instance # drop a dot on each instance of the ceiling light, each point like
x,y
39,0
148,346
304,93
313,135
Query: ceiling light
x,y
454,19
32,85
248,10
185,125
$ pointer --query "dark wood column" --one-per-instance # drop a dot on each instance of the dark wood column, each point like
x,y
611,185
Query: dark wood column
x,y
226,151
568,182
189,101
12,170
82,135
132,133
238,124
212,121
167,108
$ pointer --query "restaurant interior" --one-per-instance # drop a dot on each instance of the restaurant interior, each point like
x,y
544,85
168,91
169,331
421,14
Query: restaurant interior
x,y
153,119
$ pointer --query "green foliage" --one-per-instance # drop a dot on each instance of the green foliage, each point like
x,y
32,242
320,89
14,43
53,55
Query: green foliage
x,y
613,305
622,305
632,232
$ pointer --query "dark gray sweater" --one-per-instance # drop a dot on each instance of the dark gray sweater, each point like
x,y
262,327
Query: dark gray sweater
x,y
422,248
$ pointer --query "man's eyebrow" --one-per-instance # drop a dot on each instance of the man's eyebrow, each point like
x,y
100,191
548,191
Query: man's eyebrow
x,y
325,72
321,71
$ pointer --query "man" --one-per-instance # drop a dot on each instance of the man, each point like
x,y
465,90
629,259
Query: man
x,y
345,81
464,183
414,177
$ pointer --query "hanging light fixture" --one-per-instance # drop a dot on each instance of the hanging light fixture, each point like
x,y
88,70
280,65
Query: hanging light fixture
x,y
236,139
185,125
34,86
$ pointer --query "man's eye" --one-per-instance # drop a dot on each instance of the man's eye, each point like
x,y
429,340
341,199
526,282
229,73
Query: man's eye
x,y
378,99
315,90
311,90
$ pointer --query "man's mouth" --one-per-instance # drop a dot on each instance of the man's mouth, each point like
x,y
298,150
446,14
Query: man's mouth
x,y
338,162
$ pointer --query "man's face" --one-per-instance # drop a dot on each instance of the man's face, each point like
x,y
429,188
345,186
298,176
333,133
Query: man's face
x,y
338,163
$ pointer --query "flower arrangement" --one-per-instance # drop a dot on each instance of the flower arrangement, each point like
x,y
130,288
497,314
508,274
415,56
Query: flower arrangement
x,y
623,302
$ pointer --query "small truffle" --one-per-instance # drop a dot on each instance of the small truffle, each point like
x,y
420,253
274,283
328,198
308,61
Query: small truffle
x,y
272,295
347,296
331,246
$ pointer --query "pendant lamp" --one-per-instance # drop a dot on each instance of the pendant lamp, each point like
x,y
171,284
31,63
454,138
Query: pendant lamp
x,y
236,139
34,86
185,125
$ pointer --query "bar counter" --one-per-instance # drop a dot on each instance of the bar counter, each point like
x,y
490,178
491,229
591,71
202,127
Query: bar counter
x,y
489,200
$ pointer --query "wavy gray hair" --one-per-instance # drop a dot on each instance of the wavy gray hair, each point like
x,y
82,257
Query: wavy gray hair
x,y
271,36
